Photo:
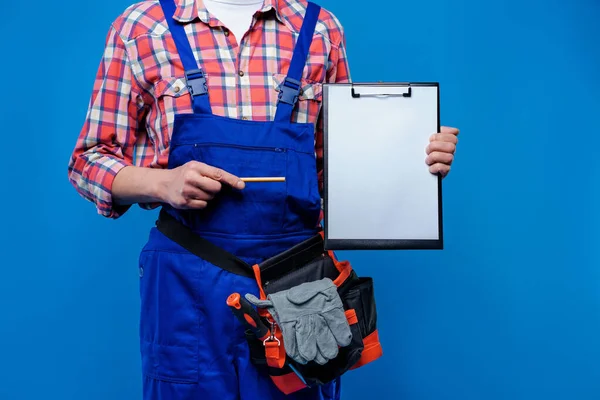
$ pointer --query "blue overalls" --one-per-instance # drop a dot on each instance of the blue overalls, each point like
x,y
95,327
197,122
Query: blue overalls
x,y
192,346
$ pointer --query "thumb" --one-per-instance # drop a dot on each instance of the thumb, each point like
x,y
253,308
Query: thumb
x,y
258,302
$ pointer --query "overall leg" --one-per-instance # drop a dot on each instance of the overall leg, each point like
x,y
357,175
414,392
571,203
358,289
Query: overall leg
x,y
186,329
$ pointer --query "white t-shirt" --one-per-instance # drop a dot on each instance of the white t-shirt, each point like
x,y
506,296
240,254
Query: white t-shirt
x,y
236,15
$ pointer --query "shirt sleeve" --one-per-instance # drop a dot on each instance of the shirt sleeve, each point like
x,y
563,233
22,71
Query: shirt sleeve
x,y
112,126
339,72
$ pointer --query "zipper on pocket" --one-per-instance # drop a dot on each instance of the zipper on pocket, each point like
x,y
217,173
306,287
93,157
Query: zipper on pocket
x,y
237,146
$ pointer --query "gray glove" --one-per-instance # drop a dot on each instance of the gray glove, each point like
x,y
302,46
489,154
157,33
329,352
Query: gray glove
x,y
311,318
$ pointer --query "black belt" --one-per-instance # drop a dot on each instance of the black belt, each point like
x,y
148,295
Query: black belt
x,y
272,268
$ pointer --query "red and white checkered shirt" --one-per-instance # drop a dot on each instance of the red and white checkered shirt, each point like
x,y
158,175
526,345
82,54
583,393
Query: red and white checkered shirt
x,y
139,84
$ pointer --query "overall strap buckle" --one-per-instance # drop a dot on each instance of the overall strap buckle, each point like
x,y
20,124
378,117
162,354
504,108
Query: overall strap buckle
x,y
196,82
289,92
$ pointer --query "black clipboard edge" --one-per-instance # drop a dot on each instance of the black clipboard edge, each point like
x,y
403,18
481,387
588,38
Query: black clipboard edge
x,y
382,244
377,244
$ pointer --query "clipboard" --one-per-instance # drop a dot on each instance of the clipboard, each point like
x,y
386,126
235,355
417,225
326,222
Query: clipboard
x,y
378,191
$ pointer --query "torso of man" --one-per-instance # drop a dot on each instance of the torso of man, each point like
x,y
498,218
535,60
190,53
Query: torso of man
x,y
236,15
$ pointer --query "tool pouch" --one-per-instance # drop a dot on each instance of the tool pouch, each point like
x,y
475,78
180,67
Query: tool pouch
x,y
307,262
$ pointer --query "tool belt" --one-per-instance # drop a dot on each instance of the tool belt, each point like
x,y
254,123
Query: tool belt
x,y
308,261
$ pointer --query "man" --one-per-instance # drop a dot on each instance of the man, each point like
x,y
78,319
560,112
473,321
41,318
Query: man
x,y
191,96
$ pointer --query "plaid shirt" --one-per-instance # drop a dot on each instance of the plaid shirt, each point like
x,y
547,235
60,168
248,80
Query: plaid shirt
x,y
139,85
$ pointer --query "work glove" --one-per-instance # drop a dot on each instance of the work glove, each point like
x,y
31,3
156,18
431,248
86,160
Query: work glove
x,y
311,318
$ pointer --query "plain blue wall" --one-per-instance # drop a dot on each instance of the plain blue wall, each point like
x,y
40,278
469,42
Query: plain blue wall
x,y
509,310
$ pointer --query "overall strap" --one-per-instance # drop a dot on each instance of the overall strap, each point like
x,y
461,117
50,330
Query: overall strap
x,y
194,76
290,88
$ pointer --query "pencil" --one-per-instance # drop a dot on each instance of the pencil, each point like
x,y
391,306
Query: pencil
x,y
264,179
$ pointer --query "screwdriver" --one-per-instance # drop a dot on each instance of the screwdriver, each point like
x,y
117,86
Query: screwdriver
x,y
247,315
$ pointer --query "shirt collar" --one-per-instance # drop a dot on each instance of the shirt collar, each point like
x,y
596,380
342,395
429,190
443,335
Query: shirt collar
x,y
189,10
186,11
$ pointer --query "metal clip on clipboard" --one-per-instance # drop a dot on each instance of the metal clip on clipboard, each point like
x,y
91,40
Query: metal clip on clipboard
x,y
381,90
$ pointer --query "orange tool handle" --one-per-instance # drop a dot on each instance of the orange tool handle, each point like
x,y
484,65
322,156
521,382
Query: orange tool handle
x,y
247,315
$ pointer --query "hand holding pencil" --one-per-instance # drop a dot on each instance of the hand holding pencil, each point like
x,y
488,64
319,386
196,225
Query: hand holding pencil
x,y
194,184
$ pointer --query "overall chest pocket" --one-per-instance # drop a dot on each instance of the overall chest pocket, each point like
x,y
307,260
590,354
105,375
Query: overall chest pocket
x,y
259,207
248,162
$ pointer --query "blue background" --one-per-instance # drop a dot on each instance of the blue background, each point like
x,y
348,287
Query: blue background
x,y
509,310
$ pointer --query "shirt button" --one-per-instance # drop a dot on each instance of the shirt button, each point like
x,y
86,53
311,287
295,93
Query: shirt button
x,y
241,73
245,118
177,89
226,31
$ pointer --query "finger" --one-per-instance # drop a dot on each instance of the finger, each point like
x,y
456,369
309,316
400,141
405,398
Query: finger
x,y
192,192
444,147
192,178
443,137
258,302
337,324
441,169
192,204
320,359
291,347
206,184
305,338
439,157
220,175
326,340
449,130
